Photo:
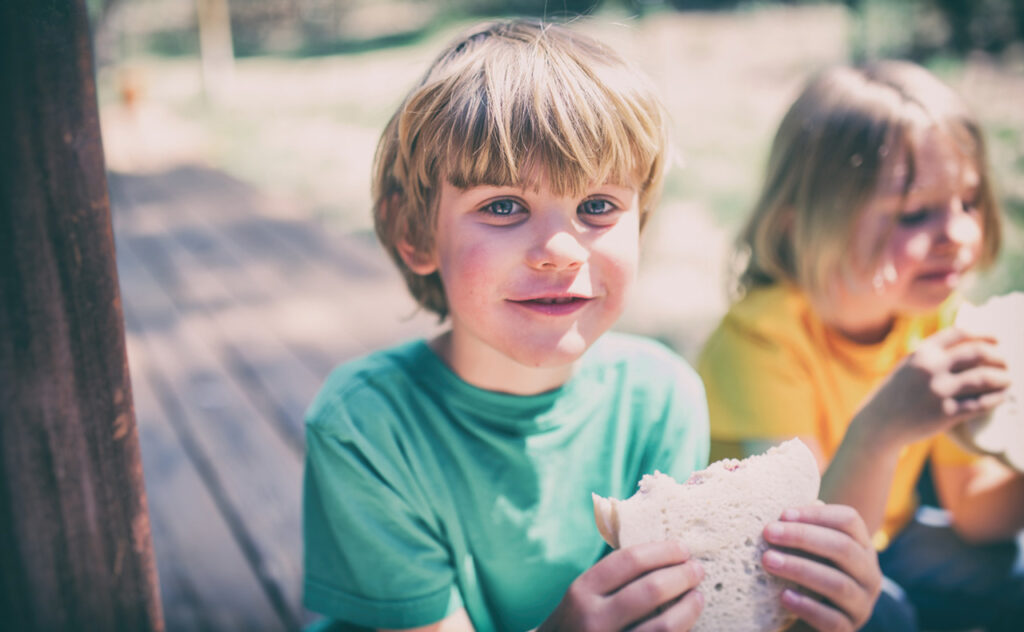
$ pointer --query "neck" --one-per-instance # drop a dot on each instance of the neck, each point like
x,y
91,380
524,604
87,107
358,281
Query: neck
x,y
864,333
491,370
859,325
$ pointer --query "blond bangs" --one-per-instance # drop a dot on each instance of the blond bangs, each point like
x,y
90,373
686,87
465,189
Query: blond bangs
x,y
558,110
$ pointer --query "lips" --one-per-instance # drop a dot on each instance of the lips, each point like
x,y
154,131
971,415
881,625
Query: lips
x,y
560,300
553,305
945,278
935,275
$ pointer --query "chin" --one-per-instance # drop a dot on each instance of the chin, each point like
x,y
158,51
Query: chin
x,y
926,303
550,354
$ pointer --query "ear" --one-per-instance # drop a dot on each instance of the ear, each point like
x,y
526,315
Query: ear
x,y
420,262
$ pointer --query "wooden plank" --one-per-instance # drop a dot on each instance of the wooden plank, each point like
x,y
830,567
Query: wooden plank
x,y
237,201
206,583
347,300
263,367
322,313
253,476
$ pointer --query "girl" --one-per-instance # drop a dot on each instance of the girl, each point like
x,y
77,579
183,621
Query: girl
x,y
877,203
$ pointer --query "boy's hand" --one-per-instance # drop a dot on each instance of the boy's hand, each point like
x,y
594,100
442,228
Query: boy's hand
x,y
828,552
953,376
647,586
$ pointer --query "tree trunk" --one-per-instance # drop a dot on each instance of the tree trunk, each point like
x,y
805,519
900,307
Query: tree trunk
x,y
74,528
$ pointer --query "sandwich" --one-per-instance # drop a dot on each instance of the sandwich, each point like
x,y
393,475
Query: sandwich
x,y
719,514
1000,433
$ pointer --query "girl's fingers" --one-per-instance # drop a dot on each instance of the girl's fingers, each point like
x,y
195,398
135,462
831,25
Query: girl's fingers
x,y
950,336
681,615
847,595
972,354
621,567
816,614
972,405
657,588
979,381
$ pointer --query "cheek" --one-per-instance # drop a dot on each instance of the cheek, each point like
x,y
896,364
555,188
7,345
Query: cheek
x,y
471,269
968,231
619,251
912,248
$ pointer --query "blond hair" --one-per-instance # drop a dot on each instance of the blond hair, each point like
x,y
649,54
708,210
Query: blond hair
x,y
504,105
839,138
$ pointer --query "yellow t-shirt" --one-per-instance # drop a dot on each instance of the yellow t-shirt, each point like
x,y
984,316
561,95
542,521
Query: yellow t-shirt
x,y
773,371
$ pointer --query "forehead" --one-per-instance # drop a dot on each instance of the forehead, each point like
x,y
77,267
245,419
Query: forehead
x,y
931,164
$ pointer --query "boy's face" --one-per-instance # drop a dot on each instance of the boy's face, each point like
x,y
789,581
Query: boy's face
x,y
532,279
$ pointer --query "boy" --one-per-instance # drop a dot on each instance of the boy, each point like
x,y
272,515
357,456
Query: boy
x,y
448,482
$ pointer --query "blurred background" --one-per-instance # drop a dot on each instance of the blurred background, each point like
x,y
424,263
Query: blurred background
x,y
290,96
239,138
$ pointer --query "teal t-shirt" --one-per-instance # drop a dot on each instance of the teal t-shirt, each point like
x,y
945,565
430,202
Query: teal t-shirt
x,y
424,494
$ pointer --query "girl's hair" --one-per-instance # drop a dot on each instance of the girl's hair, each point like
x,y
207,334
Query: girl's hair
x,y
838,139
509,104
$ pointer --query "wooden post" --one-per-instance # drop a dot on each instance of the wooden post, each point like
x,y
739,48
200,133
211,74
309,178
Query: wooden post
x,y
74,529
216,50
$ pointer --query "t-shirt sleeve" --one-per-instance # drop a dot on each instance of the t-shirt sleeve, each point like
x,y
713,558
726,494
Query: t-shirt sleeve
x,y
374,554
756,388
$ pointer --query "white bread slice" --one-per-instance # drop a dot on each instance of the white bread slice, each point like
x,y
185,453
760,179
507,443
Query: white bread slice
x,y
719,515
1001,432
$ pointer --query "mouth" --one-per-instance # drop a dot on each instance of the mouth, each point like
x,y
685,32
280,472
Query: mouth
x,y
553,305
949,277
949,270
555,300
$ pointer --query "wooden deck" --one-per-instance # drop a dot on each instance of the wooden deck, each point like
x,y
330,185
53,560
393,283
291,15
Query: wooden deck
x,y
234,315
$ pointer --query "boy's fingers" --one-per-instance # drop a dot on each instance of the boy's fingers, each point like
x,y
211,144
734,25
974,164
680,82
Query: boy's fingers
x,y
816,614
624,565
645,594
846,593
839,517
855,560
681,615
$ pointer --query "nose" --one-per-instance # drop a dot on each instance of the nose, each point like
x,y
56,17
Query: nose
x,y
558,248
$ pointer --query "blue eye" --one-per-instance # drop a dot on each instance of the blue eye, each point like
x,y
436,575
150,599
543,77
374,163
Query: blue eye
x,y
503,207
596,206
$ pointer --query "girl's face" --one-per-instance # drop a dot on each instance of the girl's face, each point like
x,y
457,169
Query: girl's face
x,y
911,250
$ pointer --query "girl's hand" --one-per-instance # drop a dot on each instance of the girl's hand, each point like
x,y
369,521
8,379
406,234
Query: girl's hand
x,y
643,587
828,552
953,376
